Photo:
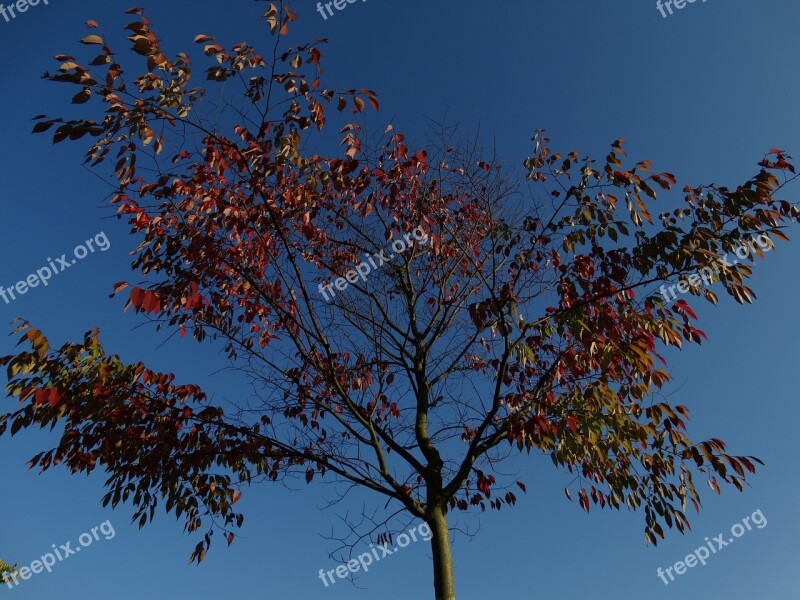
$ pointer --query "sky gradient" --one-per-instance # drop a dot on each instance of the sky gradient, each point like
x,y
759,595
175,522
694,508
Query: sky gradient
x,y
703,93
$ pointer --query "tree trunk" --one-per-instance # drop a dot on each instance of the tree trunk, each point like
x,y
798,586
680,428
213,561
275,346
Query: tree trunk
x,y
443,580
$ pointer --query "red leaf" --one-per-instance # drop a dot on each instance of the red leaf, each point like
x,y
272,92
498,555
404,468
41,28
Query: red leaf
x,y
137,294
683,307
622,176
54,397
145,301
374,102
40,397
584,500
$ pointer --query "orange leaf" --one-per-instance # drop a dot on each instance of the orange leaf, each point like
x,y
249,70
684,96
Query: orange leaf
x,y
92,39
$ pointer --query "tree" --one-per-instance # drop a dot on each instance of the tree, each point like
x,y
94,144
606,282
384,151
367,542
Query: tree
x,y
503,321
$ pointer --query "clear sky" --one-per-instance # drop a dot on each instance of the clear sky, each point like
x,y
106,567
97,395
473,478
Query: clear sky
x,y
703,93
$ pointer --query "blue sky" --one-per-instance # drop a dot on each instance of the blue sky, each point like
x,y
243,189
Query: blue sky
x,y
703,93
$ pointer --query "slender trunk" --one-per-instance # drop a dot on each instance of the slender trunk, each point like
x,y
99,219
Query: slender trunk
x,y
443,580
